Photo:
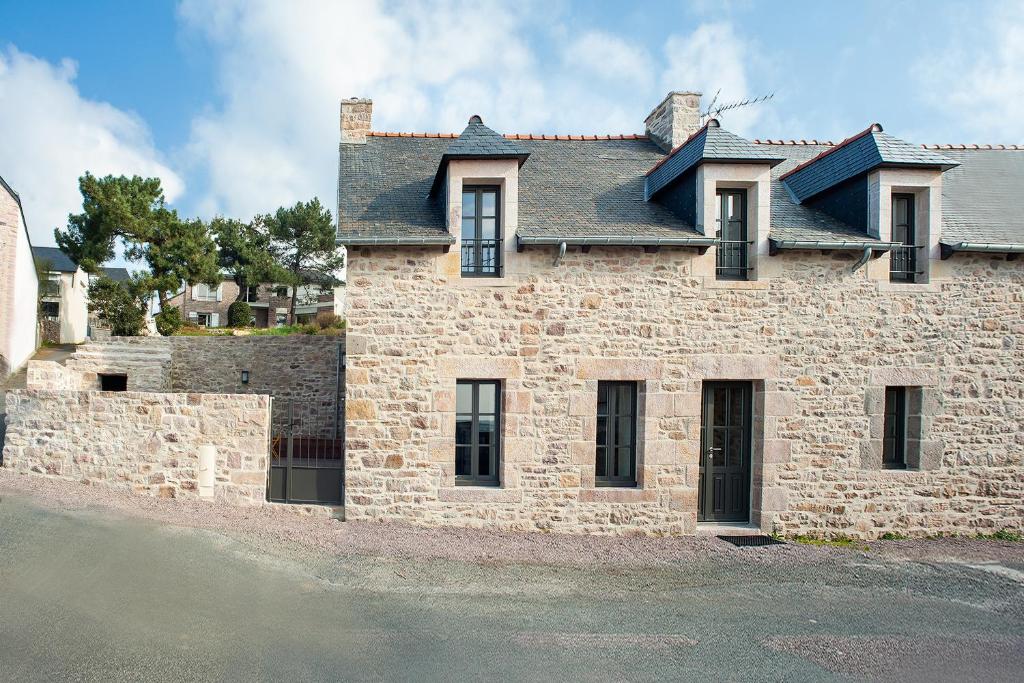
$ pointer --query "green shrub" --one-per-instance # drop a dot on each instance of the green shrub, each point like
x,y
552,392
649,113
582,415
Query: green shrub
x,y
169,321
118,305
239,314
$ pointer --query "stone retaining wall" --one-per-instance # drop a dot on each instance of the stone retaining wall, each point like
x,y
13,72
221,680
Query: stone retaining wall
x,y
146,442
303,369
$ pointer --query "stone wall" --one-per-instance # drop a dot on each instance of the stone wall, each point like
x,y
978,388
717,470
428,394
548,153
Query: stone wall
x,y
299,369
144,442
145,360
817,340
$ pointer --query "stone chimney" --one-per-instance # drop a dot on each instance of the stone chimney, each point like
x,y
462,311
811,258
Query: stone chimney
x,y
356,116
675,119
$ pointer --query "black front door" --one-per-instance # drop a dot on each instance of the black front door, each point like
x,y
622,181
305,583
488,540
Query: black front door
x,y
724,482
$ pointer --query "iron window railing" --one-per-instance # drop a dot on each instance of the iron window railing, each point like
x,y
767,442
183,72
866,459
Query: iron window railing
x,y
903,264
481,258
732,260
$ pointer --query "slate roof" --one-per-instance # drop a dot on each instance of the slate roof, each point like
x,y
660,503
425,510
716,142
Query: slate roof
x,y
710,143
477,140
856,155
117,274
593,187
584,188
55,259
800,222
981,195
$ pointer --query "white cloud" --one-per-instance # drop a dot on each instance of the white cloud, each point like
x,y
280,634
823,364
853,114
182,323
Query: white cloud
x,y
976,82
609,57
52,135
713,59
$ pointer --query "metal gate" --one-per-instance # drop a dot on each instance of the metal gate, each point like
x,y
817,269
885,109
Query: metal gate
x,y
307,449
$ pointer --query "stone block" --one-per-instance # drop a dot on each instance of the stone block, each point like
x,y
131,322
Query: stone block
x,y
776,450
480,367
902,376
360,409
619,369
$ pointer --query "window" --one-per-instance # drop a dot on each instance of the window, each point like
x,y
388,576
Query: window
x,y
616,434
477,442
731,220
50,310
281,292
252,293
281,317
207,319
203,292
113,382
481,232
894,436
903,260
51,286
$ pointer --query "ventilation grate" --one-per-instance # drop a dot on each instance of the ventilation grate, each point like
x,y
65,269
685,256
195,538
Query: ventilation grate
x,y
751,540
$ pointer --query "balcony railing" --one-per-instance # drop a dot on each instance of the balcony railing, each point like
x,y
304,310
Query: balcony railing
x,y
481,258
903,264
732,261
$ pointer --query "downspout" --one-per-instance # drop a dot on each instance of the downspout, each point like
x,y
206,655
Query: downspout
x,y
561,253
864,258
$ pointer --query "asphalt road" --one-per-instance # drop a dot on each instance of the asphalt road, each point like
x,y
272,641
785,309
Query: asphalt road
x,y
90,595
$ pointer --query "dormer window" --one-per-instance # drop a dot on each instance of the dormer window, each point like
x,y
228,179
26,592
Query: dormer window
x,y
481,231
903,260
731,220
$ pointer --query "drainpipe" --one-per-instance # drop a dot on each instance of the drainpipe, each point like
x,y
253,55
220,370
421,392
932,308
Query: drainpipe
x,y
561,253
864,258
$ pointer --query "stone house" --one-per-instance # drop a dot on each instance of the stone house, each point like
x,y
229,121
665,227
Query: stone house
x,y
206,306
683,328
64,297
19,285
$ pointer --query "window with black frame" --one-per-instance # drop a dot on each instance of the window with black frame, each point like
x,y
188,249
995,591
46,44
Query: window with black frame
x,y
481,232
616,434
731,220
477,432
894,437
903,259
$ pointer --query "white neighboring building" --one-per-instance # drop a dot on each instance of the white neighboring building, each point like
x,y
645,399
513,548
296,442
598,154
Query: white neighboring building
x,y
19,285
64,309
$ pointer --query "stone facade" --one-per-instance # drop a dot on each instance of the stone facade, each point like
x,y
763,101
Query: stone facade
x,y
817,340
675,119
148,443
19,287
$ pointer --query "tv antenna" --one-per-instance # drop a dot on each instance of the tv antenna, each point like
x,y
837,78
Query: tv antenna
x,y
715,109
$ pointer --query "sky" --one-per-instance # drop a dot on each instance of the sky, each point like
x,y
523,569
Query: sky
x,y
234,105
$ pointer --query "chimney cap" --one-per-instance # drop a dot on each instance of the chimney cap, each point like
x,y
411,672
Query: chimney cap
x,y
475,118
713,123
876,128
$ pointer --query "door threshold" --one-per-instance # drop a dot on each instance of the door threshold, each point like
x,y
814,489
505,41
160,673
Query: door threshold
x,y
728,529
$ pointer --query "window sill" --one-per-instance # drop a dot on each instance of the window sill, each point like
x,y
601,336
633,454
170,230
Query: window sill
x,y
713,283
478,494
888,286
609,494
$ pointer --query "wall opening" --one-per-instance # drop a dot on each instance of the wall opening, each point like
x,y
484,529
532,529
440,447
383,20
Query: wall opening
x,y
113,382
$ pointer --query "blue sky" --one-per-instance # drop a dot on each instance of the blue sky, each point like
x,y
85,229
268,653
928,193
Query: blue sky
x,y
234,104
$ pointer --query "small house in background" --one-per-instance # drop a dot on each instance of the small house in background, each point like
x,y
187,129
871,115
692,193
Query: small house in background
x,y
64,297
19,285
206,306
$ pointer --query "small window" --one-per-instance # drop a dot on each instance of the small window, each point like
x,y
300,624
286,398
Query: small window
x,y
894,439
281,292
481,232
113,382
733,243
205,319
903,259
281,318
616,434
252,293
50,310
204,292
477,432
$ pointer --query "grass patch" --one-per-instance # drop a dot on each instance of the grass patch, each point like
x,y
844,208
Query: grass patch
x,y
1003,535
892,536
834,542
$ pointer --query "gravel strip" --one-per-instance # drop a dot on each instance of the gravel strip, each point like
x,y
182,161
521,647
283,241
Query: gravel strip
x,y
276,527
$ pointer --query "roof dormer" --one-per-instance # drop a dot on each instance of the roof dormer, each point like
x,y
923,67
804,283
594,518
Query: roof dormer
x,y
478,142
